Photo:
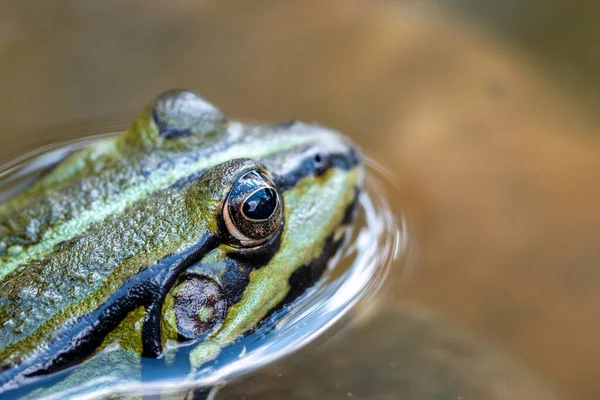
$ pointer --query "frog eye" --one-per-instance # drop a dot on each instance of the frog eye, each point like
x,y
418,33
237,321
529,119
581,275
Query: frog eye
x,y
181,113
253,210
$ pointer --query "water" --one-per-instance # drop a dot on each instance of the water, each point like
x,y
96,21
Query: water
x,y
356,273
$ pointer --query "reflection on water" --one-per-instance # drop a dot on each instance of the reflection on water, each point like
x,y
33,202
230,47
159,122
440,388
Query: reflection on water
x,y
400,350
358,271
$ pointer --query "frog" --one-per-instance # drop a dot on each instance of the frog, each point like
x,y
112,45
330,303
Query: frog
x,y
186,231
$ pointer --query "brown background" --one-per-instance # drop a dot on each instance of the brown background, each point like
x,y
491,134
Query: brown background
x,y
484,114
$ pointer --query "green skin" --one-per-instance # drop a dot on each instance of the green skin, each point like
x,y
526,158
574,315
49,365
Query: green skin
x,y
148,206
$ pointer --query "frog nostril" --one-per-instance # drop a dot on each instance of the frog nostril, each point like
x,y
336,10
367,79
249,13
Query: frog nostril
x,y
320,164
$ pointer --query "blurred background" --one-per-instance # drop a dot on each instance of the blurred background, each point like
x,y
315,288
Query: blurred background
x,y
485,113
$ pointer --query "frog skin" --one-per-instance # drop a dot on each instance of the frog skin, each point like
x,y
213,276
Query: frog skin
x,y
185,230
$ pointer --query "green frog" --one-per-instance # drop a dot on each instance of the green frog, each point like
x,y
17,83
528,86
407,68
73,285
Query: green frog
x,y
186,231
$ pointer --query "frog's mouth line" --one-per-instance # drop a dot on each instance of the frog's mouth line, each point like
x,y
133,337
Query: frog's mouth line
x,y
80,340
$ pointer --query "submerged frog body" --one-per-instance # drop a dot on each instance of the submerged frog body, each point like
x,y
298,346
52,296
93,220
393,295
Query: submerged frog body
x,y
185,231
